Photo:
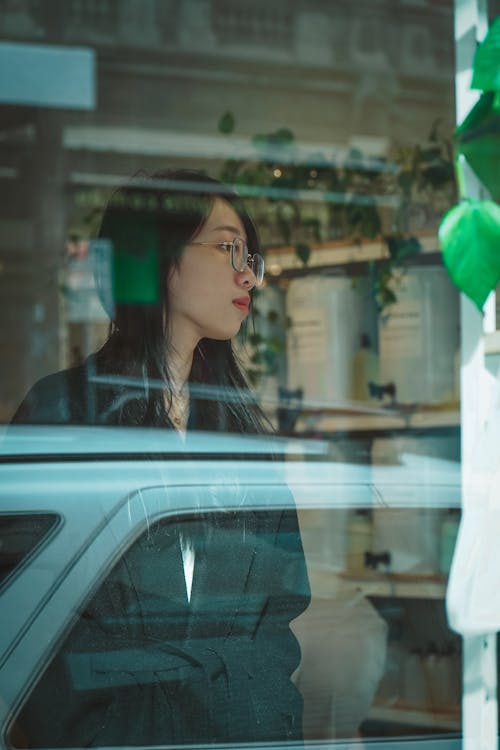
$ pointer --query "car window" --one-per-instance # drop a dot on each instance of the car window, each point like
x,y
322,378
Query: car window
x,y
21,535
176,647
166,634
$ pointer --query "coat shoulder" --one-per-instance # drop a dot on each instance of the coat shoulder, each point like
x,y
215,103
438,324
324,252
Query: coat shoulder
x,y
55,399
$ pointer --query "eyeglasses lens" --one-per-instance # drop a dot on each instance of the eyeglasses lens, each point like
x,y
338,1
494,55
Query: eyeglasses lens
x,y
240,253
257,266
240,258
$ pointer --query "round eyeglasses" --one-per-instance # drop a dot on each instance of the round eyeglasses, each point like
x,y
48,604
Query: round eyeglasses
x,y
240,257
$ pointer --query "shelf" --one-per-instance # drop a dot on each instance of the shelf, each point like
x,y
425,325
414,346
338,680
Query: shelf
x,y
399,585
416,717
279,259
343,420
327,583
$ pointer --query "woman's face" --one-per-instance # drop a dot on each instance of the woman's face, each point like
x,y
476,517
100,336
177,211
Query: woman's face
x,y
208,298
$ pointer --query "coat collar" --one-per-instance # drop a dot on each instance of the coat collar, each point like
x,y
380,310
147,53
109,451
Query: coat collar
x,y
221,570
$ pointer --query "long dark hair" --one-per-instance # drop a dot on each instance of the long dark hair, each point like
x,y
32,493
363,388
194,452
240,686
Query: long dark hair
x,y
149,221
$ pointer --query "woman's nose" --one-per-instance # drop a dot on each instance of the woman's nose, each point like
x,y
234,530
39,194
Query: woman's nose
x,y
246,278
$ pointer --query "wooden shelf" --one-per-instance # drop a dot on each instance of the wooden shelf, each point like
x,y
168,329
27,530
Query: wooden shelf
x,y
337,253
343,420
416,717
399,585
327,582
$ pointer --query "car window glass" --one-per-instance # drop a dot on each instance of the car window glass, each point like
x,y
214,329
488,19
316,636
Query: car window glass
x,y
160,642
20,536
148,664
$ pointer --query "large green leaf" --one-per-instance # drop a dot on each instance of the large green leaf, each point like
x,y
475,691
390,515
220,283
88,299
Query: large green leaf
x,y
486,71
478,139
470,241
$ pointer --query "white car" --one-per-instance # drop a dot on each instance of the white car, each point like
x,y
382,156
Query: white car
x,y
75,502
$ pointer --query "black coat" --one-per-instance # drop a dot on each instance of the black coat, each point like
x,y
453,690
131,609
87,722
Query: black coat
x,y
143,666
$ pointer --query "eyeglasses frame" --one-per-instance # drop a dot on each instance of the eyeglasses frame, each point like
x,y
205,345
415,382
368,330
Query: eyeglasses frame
x,y
250,257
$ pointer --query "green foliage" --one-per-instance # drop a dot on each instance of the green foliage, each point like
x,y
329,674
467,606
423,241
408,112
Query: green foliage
x,y
267,342
426,168
486,74
470,231
282,138
363,219
478,139
400,249
303,253
383,279
350,209
227,123
470,241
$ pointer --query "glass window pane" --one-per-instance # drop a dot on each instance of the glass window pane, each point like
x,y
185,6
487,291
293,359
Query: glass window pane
x,y
378,657
21,534
164,655
138,140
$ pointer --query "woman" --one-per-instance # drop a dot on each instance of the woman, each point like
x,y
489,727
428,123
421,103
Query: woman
x,y
207,605
178,301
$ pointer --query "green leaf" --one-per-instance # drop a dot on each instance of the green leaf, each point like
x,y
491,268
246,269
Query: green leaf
x,y
282,139
226,123
303,252
283,135
275,344
486,69
469,234
400,247
254,339
478,139
411,247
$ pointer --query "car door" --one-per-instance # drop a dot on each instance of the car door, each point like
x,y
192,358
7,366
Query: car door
x,y
123,513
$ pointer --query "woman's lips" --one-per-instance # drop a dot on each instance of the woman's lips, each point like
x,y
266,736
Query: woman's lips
x,y
242,303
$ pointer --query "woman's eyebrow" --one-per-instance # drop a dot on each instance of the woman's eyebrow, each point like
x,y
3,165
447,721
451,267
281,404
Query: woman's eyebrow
x,y
227,228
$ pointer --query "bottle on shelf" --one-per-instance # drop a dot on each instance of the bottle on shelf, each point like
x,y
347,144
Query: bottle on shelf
x,y
365,370
359,540
415,692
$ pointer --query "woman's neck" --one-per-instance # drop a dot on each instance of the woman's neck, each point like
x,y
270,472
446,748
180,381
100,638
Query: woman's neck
x,y
180,356
179,363
180,366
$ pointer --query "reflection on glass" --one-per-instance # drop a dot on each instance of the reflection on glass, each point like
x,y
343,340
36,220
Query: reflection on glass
x,y
378,657
156,658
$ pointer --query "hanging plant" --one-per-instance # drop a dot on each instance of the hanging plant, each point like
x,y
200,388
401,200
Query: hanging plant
x,y
267,341
470,232
426,171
